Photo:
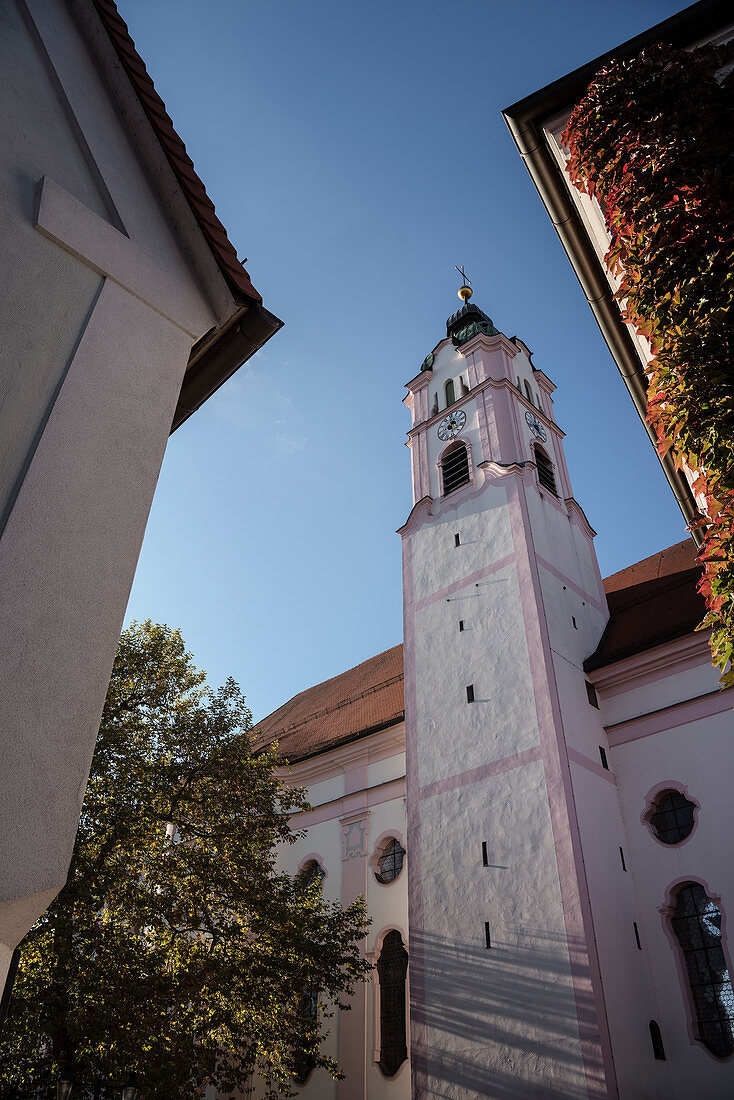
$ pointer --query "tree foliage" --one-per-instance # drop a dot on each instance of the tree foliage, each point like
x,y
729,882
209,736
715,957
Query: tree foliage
x,y
652,140
184,955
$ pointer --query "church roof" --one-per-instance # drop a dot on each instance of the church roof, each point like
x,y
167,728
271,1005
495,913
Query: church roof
x,y
650,603
362,700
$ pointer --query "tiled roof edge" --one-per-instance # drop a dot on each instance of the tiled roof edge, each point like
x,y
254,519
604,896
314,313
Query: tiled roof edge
x,y
174,150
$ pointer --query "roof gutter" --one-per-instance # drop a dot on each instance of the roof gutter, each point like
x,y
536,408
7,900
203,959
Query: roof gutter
x,y
216,356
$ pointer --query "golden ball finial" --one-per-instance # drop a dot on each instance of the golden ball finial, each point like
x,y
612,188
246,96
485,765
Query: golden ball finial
x,y
465,292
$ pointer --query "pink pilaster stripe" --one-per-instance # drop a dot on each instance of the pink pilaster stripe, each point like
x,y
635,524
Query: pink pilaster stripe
x,y
484,771
442,593
591,765
668,718
418,1063
572,584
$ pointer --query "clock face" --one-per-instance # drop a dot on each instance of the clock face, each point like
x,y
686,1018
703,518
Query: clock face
x,y
535,426
452,424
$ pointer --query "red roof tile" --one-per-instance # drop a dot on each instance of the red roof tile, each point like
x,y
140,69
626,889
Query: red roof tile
x,y
650,602
360,701
201,205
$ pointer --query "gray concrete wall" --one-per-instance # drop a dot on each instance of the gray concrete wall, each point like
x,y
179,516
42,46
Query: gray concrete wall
x,y
101,303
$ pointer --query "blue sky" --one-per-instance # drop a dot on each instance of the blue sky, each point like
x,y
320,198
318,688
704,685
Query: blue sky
x,y
355,153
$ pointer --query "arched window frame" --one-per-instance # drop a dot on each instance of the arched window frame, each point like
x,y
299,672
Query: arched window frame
x,y
439,466
313,857
382,840
373,957
449,389
667,912
651,799
537,449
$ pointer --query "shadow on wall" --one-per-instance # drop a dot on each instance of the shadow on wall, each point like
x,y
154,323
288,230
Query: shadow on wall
x,y
501,1022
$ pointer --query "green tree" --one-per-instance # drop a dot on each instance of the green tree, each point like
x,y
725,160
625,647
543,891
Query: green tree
x,y
177,949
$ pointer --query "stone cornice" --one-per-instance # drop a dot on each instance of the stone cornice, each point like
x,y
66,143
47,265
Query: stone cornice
x,y
653,664
342,758
489,383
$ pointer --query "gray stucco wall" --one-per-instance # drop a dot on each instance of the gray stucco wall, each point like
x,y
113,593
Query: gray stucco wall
x,y
100,306
46,293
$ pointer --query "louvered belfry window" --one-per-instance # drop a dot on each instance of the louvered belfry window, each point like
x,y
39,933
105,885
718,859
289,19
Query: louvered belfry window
x,y
546,477
455,468
391,970
697,927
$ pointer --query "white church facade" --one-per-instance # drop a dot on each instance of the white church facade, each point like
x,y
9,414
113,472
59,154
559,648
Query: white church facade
x,y
532,792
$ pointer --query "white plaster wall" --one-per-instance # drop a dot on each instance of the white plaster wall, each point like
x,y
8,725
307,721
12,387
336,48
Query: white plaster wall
x,y
700,755
383,771
663,692
483,523
387,906
490,653
501,1022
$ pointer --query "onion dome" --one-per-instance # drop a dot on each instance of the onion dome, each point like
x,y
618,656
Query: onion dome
x,y
467,322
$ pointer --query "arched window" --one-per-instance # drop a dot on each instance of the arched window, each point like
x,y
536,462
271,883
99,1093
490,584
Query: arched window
x,y
449,392
528,392
390,863
455,468
696,923
311,872
303,1060
391,969
671,817
546,477
658,1049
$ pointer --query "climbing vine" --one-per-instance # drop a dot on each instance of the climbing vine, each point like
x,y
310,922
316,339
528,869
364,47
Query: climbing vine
x,y
652,142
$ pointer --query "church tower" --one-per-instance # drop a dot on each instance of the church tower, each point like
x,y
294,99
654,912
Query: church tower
x,y
518,903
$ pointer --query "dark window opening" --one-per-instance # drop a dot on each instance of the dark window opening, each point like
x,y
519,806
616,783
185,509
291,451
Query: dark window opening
x,y
449,392
303,1060
637,935
391,970
573,620
390,862
470,693
455,468
603,757
457,540
657,1041
461,625
528,392
485,856
621,856
487,938
546,477
591,695
672,817
311,872
697,926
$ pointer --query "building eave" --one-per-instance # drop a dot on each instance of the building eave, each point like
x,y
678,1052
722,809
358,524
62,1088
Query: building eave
x,y
217,356
525,121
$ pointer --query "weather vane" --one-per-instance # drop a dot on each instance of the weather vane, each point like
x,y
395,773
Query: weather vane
x,y
465,290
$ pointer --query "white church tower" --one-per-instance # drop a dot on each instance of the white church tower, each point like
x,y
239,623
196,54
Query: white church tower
x,y
518,897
